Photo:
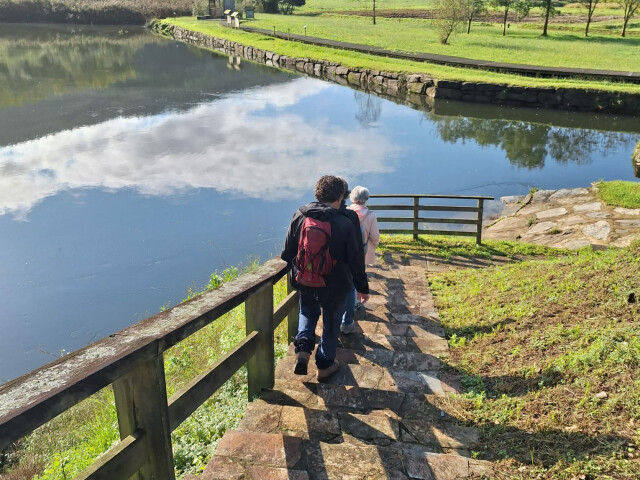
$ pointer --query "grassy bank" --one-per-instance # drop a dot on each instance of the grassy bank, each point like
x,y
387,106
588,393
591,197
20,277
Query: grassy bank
x,y
354,59
548,347
65,446
620,194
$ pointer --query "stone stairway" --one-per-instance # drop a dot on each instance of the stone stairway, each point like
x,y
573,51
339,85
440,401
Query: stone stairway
x,y
375,418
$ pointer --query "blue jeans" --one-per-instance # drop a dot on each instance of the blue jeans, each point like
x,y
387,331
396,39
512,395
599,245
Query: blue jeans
x,y
311,301
349,307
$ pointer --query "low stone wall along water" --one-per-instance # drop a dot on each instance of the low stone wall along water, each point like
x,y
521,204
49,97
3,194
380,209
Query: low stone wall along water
x,y
419,89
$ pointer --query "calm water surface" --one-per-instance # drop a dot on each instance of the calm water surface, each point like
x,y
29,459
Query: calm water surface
x,y
131,167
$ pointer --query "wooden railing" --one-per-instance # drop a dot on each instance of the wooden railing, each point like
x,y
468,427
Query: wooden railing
x,y
476,210
132,361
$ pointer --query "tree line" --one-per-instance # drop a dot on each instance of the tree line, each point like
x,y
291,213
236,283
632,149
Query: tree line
x,y
451,15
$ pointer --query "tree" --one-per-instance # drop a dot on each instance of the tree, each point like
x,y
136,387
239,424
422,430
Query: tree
x,y
287,6
630,7
449,15
521,8
549,10
474,8
590,5
270,6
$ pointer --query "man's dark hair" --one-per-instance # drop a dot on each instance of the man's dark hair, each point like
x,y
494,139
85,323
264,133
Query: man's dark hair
x,y
329,189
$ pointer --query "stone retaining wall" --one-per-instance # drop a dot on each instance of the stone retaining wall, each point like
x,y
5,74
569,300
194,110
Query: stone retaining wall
x,y
419,89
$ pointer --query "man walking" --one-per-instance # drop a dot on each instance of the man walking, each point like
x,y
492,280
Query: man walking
x,y
326,261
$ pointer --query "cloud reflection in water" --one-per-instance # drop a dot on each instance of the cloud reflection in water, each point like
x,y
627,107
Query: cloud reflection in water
x,y
231,145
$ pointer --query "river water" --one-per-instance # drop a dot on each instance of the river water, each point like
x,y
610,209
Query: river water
x,y
132,167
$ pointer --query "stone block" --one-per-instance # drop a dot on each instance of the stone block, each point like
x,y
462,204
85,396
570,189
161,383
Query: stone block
x,y
343,71
448,84
266,449
446,93
222,468
317,69
308,68
354,78
549,97
331,71
416,87
579,99
266,473
392,86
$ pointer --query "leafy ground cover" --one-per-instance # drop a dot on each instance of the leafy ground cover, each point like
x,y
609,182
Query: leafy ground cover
x,y
65,446
549,352
523,44
620,194
353,59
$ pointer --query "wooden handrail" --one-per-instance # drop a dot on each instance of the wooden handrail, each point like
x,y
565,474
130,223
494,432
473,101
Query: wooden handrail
x,y
131,360
416,219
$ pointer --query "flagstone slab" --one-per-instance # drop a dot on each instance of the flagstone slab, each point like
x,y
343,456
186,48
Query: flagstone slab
x,y
423,465
588,207
313,424
370,427
550,213
223,468
627,211
261,417
540,228
256,448
599,230
266,473
626,240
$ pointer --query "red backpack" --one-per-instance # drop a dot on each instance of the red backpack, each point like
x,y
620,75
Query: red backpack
x,y
313,260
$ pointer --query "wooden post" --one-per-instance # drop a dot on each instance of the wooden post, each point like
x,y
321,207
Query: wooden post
x,y
293,318
479,226
259,316
416,203
141,404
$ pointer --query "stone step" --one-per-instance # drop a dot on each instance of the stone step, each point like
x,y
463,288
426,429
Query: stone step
x,y
325,396
263,455
410,373
382,427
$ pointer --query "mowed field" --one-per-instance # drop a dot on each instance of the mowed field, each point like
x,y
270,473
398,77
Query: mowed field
x,y
522,44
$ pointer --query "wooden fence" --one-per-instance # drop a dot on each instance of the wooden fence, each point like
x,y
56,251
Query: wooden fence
x,y
132,361
416,219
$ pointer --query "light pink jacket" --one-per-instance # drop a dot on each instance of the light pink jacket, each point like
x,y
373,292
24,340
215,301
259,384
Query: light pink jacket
x,y
370,232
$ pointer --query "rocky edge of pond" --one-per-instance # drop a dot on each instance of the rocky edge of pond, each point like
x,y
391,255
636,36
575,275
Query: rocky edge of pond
x,y
566,218
418,89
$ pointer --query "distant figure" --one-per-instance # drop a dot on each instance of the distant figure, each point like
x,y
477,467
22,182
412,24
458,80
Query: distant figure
x,y
370,241
326,262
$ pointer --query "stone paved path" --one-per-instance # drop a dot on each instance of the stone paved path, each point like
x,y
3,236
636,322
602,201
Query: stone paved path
x,y
568,218
375,419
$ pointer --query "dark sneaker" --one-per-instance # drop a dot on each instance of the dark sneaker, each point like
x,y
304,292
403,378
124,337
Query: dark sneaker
x,y
325,373
347,328
302,360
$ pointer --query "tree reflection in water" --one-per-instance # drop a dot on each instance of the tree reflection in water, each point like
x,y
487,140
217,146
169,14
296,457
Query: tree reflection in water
x,y
369,108
528,145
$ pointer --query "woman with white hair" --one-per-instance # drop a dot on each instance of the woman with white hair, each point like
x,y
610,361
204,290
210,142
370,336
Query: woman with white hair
x,y
370,239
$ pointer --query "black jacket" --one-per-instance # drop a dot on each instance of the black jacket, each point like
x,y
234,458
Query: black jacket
x,y
344,246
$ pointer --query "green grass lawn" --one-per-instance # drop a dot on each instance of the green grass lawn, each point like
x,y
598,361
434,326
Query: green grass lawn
x,y
548,347
350,5
358,60
522,45
620,194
